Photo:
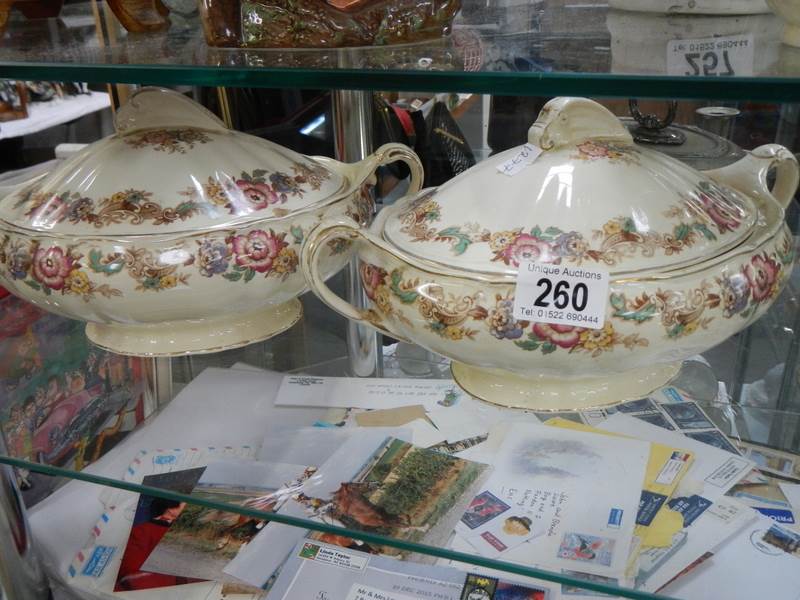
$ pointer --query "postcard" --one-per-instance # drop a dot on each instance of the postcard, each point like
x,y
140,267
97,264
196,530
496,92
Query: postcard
x,y
151,521
772,567
687,415
375,484
766,496
201,540
770,460
792,493
484,587
554,471
658,566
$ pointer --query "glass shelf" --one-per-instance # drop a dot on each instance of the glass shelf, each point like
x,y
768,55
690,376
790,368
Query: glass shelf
x,y
244,417
545,49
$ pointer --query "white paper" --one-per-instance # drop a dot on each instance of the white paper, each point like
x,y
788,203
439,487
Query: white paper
x,y
718,523
458,425
423,434
591,482
713,472
526,156
314,445
743,568
330,392
562,295
792,493
722,56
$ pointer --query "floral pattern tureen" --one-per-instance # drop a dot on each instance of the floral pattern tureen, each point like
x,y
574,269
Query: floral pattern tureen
x,y
176,234
692,258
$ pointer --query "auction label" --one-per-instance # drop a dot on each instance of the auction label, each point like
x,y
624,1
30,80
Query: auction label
x,y
526,156
711,57
561,295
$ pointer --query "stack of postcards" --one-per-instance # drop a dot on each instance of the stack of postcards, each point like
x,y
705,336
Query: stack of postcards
x,y
649,495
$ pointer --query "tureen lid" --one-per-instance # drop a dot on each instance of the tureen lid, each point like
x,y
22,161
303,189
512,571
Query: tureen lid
x,y
591,198
172,166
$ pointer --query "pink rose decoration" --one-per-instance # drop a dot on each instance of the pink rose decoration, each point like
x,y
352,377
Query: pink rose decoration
x,y
726,218
257,249
49,213
371,278
761,273
565,336
592,149
260,195
51,267
527,247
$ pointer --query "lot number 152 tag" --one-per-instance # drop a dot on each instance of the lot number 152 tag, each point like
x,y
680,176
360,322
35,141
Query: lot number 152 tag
x,y
561,295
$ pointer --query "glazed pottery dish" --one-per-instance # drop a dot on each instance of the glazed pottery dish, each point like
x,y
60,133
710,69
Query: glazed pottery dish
x,y
177,235
789,11
691,258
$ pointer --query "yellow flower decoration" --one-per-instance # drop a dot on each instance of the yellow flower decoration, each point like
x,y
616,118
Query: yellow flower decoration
x,y
286,261
119,197
592,339
453,332
78,282
690,327
216,193
383,299
612,228
501,239
167,281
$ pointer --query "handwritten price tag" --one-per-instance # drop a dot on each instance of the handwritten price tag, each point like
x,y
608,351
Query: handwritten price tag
x,y
527,154
561,295
711,57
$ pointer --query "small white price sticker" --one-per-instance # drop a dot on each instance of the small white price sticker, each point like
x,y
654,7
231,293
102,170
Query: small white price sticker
x,y
711,57
561,295
526,155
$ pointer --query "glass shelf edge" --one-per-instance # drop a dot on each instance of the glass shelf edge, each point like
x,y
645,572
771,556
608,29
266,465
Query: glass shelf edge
x,y
507,567
766,89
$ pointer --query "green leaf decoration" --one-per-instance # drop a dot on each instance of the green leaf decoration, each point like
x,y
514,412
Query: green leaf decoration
x,y
460,238
249,274
528,344
186,209
246,177
232,276
96,263
552,232
31,283
707,233
297,234
405,296
675,331
47,291
536,232
681,231
239,268
628,225
640,315
259,172
548,348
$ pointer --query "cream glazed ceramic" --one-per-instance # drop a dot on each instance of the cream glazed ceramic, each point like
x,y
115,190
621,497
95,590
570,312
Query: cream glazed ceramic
x,y
177,235
693,258
789,11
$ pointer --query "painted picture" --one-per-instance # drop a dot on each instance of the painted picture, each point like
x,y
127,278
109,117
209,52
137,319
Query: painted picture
x,y
63,401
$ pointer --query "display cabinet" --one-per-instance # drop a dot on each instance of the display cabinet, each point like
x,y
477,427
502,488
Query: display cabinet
x,y
746,386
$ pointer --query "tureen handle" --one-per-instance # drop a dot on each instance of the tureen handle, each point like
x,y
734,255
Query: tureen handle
x,y
565,121
749,174
389,153
157,108
310,259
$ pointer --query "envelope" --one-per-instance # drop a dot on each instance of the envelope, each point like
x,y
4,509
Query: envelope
x,y
666,466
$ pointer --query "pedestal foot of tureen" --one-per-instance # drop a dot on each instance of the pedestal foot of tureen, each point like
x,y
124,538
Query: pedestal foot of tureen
x,y
198,336
547,393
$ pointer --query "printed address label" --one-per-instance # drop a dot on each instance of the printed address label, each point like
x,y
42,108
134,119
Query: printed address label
x,y
561,295
711,57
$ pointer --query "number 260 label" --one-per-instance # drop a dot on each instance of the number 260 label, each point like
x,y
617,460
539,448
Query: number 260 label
x,y
561,295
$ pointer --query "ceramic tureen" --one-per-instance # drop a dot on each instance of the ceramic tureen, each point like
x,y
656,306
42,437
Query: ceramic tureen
x,y
692,259
176,234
